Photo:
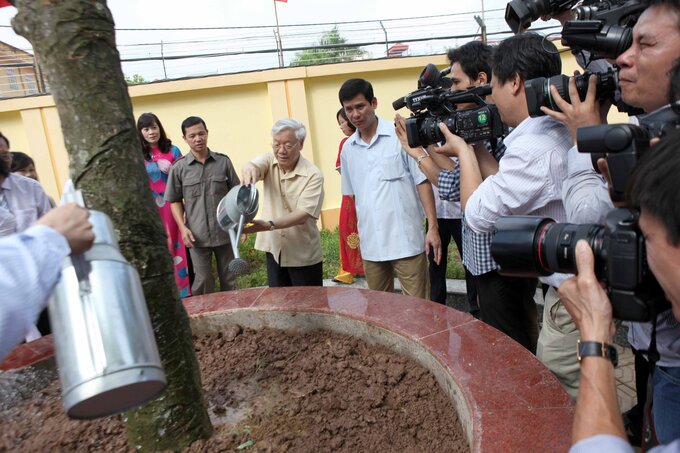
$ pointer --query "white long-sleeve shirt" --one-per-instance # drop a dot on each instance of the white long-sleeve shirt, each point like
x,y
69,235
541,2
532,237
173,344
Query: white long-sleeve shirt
x,y
30,266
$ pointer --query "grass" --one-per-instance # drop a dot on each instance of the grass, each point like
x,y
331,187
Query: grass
x,y
331,261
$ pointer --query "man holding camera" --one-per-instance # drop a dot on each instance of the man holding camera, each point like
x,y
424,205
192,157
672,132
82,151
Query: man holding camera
x,y
644,80
470,66
654,192
387,187
526,181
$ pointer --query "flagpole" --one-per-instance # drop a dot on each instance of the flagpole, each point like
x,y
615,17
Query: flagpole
x,y
278,37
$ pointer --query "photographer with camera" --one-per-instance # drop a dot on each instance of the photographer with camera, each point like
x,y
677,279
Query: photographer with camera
x,y
643,80
528,179
470,66
654,192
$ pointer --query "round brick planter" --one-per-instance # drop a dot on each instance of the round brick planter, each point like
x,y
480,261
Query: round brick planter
x,y
506,399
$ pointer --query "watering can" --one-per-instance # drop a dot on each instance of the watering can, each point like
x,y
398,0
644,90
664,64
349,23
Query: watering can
x,y
238,207
105,347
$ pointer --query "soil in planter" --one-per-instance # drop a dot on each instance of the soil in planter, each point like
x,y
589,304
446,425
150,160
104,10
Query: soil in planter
x,y
270,390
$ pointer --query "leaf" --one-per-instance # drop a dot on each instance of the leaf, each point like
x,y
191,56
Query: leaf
x,y
246,444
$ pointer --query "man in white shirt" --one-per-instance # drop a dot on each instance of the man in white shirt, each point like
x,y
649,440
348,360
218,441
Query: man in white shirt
x,y
386,185
645,76
655,194
526,181
30,266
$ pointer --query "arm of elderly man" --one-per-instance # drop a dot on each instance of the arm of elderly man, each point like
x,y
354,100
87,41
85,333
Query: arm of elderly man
x,y
307,205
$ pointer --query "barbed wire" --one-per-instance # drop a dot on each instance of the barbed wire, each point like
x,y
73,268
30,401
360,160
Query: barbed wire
x,y
247,48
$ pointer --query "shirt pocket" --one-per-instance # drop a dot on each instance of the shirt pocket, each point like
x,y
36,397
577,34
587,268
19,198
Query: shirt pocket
x,y
191,188
392,167
219,186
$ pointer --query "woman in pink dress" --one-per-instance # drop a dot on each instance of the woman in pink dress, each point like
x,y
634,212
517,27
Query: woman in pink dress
x,y
159,154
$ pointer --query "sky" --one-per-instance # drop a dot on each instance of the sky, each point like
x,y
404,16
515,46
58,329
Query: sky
x,y
421,19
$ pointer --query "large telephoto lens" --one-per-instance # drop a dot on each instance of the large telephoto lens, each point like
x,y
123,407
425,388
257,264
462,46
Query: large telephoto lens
x,y
526,246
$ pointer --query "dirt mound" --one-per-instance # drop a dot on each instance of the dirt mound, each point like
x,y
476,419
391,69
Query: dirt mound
x,y
271,390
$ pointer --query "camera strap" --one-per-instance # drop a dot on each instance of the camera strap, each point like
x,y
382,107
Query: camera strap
x,y
649,439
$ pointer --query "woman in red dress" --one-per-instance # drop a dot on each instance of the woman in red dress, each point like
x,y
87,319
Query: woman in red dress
x,y
350,254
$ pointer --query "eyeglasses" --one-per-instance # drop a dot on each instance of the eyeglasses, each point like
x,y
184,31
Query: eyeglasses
x,y
286,146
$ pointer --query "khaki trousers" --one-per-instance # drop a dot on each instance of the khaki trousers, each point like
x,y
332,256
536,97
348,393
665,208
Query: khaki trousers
x,y
204,280
557,343
412,274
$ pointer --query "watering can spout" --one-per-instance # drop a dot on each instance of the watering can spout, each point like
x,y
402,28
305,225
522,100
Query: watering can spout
x,y
237,208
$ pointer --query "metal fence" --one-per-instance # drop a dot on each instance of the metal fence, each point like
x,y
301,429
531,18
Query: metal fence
x,y
201,52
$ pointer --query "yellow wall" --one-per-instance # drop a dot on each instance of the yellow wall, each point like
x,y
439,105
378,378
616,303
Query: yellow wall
x,y
239,110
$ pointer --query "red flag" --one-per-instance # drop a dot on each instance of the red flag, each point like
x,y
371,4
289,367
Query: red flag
x,y
282,1
4,3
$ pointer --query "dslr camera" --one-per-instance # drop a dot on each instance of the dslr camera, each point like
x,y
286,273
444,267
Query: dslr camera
x,y
525,246
537,91
624,144
433,103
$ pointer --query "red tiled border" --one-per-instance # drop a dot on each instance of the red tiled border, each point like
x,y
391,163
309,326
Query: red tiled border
x,y
513,402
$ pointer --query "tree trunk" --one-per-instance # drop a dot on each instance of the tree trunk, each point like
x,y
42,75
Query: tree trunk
x,y
75,42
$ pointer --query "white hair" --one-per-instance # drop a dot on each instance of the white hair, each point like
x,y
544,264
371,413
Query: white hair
x,y
296,126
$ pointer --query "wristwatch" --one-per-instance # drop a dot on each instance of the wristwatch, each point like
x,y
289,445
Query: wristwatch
x,y
596,349
272,227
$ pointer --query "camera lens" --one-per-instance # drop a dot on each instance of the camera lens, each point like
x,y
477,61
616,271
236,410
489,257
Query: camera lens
x,y
526,246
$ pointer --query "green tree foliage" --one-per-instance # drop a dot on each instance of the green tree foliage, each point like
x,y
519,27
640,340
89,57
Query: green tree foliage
x,y
329,49
134,79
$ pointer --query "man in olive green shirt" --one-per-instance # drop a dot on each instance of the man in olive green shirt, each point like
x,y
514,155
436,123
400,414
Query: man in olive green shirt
x,y
196,184
290,207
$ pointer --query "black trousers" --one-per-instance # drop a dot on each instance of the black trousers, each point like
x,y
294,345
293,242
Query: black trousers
x,y
450,228
293,276
507,303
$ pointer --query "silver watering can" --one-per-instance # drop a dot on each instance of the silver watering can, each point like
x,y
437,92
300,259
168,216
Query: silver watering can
x,y
238,207
105,347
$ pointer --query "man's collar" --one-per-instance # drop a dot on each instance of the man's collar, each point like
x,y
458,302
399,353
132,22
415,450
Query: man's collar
x,y
299,170
7,183
383,128
191,158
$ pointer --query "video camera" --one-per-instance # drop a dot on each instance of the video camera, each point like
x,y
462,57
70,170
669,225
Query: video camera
x,y
433,103
519,14
624,144
605,29
525,246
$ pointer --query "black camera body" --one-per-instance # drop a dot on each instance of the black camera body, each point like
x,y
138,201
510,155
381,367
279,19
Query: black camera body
x,y
431,105
526,246
519,14
605,29
624,144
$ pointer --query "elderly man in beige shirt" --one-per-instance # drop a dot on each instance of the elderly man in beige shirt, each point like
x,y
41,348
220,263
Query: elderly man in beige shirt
x,y
291,204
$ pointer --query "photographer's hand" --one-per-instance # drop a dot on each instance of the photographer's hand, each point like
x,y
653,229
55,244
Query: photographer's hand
x,y
586,301
400,129
453,145
588,112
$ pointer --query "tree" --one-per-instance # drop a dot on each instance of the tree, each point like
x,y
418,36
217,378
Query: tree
x,y
329,49
134,79
75,42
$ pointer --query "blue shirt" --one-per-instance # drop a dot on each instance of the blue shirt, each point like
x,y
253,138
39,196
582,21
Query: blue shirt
x,y
30,266
612,444
383,179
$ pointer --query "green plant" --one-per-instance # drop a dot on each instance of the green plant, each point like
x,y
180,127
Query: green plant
x,y
331,261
